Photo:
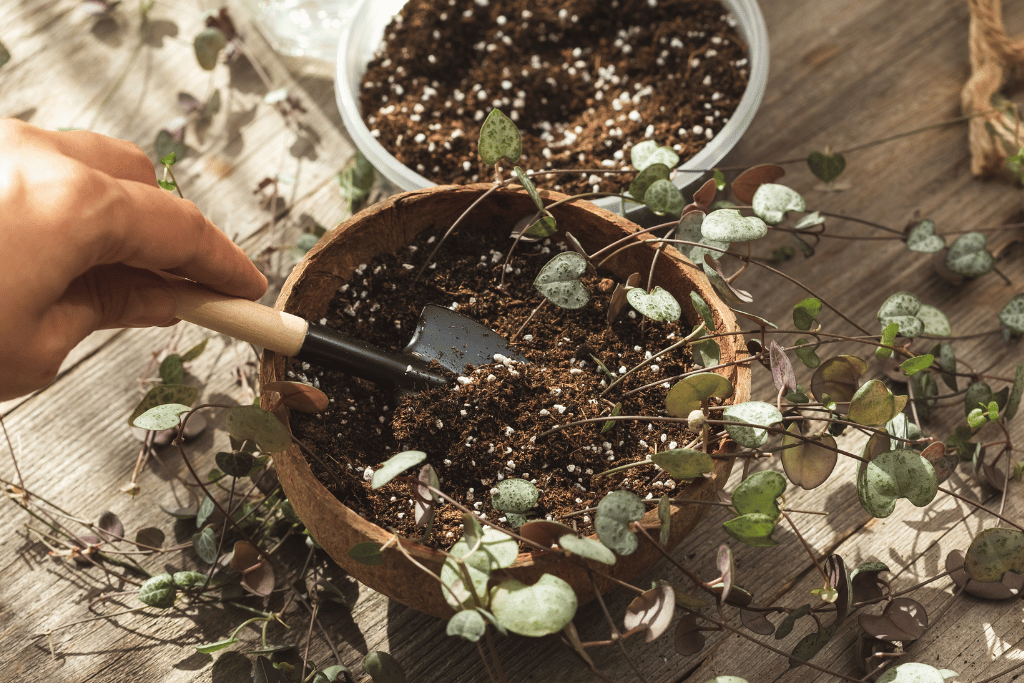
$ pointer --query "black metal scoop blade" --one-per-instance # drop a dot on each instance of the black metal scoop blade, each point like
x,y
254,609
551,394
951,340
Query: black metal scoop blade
x,y
441,335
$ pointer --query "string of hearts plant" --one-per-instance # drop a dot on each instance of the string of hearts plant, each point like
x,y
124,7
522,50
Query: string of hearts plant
x,y
904,458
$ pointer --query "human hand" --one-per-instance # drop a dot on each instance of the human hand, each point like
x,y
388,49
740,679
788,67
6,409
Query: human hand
x,y
83,225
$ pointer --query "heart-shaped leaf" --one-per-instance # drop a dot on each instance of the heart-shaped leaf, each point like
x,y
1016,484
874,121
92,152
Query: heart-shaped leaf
x,y
935,321
692,392
812,644
499,139
665,519
922,237
467,624
684,463
912,316
688,639
172,371
728,225
1012,314
808,355
559,280
587,548
647,177
252,423
245,556
514,495
892,475
805,313
205,545
916,364
967,256
382,668
689,230
754,529
704,197
706,353
235,463
166,416
746,183
647,153
158,591
544,532
942,461
164,394
755,416
208,43
826,167
1011,586
808,221
664,198
703,310
782,369
496,549
874,405
394,466
808,464
902,619
837,377
259,579
298,396
865,582
759,493
615,513
545,607
787,624
993,552
423,498
654,609
529,187
913,672
658,305
545,226
148,538
771,202
978,394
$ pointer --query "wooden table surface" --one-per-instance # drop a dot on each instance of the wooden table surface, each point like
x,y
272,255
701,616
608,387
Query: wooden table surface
x,y
842,72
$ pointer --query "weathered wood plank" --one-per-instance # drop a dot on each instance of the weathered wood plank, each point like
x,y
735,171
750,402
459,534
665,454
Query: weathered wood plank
x,y
841,75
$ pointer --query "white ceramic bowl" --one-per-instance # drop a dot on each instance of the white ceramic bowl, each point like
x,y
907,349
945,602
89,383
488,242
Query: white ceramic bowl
x,y
364,33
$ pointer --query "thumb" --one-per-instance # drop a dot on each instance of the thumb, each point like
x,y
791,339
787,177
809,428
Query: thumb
x,y
116,296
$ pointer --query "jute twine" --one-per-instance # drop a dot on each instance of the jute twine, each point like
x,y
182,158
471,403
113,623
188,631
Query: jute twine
x,y
993,57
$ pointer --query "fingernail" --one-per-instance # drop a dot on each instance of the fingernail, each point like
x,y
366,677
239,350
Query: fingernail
x,y
148,307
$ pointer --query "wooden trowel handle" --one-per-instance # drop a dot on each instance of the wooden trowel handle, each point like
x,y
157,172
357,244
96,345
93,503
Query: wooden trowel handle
x,y
290,335
239,318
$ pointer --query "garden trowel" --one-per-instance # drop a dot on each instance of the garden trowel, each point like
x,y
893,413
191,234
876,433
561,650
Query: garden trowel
x,y
441,335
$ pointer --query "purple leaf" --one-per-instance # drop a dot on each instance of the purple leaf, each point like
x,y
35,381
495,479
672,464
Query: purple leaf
x,y
653,609
109,527
782,369
726,568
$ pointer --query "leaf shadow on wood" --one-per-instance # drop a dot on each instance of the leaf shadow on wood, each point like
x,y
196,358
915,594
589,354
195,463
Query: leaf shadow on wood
x,y
231,667
158,30
108,31
244,77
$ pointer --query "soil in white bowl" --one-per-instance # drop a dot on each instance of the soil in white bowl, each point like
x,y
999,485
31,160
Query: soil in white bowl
x,y
584,80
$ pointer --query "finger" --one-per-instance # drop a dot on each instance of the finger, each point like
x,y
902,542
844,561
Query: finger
x,y
117,158
106,221
106,297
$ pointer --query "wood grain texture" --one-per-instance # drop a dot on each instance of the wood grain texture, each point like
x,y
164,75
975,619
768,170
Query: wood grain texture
x,y
842,72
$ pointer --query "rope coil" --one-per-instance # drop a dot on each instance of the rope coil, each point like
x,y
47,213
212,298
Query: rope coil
x,y
995,134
